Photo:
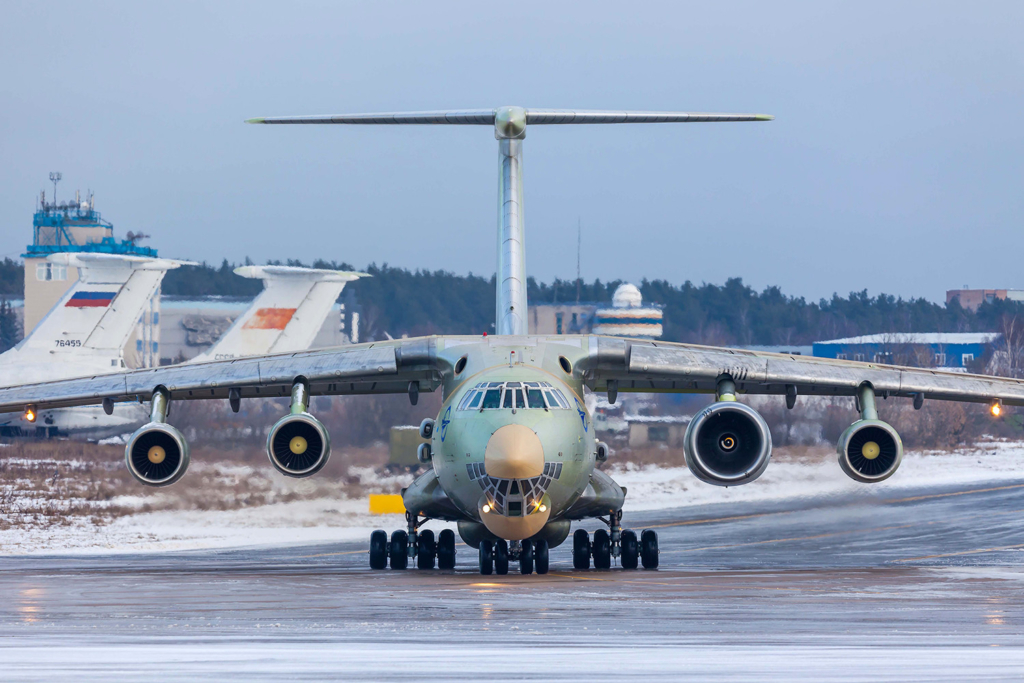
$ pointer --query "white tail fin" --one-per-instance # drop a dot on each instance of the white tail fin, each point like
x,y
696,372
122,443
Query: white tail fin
x,y
87,329
286,316
510,125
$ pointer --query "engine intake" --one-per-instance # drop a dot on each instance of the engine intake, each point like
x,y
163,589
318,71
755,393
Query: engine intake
x,y
870,451
157,454
727,444
299,445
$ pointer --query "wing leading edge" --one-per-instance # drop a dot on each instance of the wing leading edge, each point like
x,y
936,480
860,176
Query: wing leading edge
x,y
645,366
375,368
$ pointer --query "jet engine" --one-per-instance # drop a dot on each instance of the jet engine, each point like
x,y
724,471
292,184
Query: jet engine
x,y
157,454
299,445
727,444
870,451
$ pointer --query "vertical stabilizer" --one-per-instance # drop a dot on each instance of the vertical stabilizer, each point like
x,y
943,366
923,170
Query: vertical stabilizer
x,y
86,331
286,316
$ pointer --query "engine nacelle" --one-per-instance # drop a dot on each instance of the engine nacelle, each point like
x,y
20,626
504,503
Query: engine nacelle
x,y
157,454
727,444
870,451
298,445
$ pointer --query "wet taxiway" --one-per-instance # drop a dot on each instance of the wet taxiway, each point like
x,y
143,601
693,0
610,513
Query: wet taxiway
x,y
926,585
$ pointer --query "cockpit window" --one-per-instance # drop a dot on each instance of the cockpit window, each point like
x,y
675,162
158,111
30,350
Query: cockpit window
x,y
492,399
518,395
535,398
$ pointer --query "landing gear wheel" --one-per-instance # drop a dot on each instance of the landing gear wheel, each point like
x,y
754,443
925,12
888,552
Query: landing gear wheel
x,y
378,549
540,556
630,549
501,558
649,549
446,549
399,550
581,549
486,557
425,549
526,558
602,549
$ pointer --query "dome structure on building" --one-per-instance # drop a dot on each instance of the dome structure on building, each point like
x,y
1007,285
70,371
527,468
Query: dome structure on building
x,y
628,317
627,295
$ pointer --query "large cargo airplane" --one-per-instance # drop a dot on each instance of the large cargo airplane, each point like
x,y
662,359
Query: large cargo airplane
x,y
512,452
84,334
286,316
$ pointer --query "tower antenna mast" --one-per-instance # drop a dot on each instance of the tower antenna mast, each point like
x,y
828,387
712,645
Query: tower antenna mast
x,y
55,177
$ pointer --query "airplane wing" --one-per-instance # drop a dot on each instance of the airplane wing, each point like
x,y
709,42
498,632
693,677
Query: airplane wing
x,y
653,366
387,367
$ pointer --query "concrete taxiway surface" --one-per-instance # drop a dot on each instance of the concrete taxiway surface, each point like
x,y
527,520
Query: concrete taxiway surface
x,y
925,586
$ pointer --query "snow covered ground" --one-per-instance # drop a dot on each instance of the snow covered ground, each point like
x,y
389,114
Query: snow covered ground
x,y
338,518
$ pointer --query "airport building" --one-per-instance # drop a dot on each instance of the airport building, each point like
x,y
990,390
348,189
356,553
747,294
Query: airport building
x,y
626,317
77,227
972,299
956,351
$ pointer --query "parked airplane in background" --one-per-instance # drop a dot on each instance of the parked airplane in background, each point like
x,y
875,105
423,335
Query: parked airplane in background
x,y
287,314
512,452
80,335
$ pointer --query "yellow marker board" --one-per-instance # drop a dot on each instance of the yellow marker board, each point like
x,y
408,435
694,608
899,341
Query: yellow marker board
x,y
386,504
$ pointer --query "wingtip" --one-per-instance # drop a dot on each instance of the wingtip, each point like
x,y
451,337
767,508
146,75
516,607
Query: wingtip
x,y
764,117
261,120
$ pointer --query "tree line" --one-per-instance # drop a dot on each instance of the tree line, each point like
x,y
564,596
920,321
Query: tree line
x,y
396,301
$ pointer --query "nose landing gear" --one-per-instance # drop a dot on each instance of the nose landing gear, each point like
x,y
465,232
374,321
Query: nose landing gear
x,y
616,542
531,556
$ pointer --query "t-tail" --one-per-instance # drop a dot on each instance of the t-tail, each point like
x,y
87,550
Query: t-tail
x,y
510,125
286,316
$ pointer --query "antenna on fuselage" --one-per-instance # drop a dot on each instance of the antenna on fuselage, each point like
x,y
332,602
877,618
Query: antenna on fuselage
x,y
510,129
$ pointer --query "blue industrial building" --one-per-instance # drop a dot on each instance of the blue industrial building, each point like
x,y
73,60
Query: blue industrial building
x,y
961,351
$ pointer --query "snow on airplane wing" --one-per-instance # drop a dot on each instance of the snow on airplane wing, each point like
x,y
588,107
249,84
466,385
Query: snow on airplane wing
x,y
646,366
287,314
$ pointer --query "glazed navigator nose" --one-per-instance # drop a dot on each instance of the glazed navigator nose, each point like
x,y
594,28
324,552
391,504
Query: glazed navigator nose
x,y
514,452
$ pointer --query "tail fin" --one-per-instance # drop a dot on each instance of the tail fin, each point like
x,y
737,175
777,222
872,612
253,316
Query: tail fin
x,y
286,316
97,315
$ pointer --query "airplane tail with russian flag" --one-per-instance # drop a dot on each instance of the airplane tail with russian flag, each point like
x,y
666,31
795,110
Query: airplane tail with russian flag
x,y
86,331
287,314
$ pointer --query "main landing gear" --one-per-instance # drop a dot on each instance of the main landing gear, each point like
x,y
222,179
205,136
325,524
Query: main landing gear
x,y
494,557
412,544
616,542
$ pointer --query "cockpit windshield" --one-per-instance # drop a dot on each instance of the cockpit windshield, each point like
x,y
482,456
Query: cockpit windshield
x,y
514,395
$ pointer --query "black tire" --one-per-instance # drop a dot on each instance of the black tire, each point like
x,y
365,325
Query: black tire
x,y
486,557
501,558
378,549
540,556
425,549
630,548
581,549
399,550
602,549
526,558
446,549
649,549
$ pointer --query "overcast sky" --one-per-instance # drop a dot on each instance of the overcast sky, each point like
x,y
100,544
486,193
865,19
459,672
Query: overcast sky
x,y
894,164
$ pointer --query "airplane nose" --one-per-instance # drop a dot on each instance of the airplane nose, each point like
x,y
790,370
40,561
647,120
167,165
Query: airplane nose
x,y
514,452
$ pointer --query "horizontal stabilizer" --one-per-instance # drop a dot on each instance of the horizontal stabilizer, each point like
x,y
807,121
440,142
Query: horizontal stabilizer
x,y
486,117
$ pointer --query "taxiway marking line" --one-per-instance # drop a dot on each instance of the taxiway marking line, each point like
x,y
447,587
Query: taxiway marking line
x,y
714,520
793,538
964,552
